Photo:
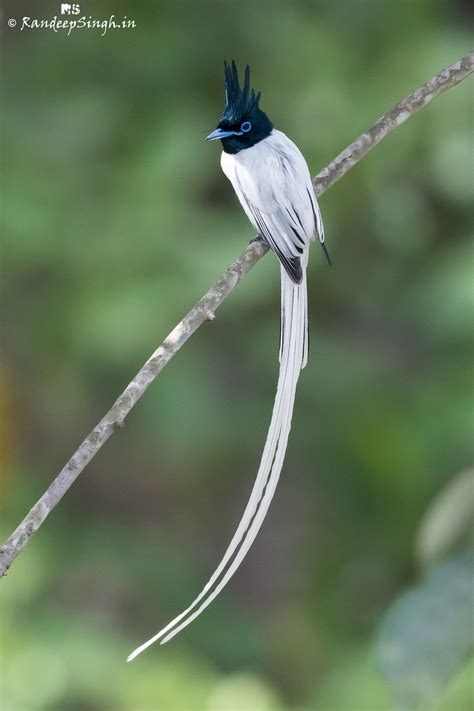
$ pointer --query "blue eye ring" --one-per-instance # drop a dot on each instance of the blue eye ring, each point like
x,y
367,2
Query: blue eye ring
x,y
246,127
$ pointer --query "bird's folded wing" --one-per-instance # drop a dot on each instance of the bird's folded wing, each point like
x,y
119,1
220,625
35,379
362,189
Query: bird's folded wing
x,y
281,205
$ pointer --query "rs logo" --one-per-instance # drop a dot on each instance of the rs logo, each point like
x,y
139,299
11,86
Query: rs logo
x,y
70,9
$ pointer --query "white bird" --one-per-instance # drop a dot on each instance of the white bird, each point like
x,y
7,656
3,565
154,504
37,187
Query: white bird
x,y
272,181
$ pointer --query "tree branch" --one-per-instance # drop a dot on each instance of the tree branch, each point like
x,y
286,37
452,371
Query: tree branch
x,y
205,308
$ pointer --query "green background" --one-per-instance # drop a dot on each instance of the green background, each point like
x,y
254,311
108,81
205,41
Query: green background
x,y
117,218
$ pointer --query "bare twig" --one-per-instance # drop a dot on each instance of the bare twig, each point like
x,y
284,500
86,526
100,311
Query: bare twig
x,y
206,307
392,119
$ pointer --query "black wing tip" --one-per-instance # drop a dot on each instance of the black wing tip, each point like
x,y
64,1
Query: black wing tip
x,y
326,253
294,269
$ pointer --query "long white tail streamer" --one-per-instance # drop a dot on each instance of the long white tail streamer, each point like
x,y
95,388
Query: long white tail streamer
x,y
293,357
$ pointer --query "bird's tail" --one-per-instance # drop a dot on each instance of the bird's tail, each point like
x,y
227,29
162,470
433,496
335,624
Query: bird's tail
x,y
293,357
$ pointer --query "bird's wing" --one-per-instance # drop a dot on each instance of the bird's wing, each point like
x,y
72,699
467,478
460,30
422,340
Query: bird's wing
x,y
273,184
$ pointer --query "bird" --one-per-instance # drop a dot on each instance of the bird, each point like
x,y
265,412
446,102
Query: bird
x,y
273,184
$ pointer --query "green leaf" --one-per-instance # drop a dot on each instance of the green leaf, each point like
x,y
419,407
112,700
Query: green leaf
x,y
426,636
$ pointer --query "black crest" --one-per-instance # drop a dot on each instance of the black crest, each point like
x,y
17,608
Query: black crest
x,y
238,102
243,124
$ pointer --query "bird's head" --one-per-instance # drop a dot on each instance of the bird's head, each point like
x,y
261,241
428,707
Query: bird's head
x,y
243,123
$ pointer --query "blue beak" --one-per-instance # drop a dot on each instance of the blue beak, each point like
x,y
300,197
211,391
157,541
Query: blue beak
x,y
219,133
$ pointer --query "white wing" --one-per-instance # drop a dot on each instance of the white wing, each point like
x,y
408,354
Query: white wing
x,y
273,184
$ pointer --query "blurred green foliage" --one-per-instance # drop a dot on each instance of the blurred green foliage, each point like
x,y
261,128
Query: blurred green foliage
x,y
427,636
116,219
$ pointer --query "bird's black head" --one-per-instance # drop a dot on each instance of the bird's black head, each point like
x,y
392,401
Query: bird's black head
x,y
243,123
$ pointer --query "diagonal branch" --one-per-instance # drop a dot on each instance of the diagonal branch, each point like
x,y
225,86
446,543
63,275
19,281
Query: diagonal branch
x,y
205,308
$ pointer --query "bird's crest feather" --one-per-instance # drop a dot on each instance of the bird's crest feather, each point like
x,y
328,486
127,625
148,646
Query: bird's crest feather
x,y
238,101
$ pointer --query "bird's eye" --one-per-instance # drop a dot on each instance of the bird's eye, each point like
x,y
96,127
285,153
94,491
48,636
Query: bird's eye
x,y
246,126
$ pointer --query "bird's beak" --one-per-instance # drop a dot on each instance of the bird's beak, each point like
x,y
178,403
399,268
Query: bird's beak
x,y
220,133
